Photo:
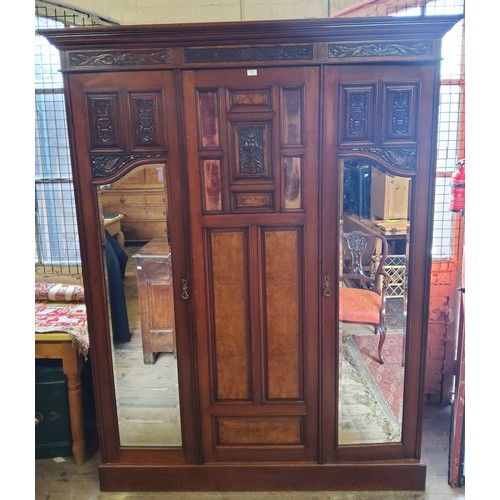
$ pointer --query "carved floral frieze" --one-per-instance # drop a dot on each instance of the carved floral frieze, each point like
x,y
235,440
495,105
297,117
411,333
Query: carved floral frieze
x,y
119,58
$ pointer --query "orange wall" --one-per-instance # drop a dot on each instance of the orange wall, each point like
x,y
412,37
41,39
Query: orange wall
x,y
443,319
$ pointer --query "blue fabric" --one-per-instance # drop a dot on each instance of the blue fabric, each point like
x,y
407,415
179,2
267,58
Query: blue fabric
x,y
116,261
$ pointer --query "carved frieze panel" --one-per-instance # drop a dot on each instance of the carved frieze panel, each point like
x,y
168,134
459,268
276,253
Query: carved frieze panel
x,y
104,121
400,116
394,49
109,58
146,125
357,112
105,166
403,159
249,54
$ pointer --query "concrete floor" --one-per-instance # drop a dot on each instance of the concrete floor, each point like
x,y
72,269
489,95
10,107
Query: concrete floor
x,y
65,481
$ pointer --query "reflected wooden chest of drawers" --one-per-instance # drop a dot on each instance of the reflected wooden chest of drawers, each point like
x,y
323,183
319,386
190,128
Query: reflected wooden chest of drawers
x,y
140,197
144,212
156,304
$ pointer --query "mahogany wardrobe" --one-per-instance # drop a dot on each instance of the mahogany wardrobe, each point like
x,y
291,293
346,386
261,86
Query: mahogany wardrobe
x,y
254,145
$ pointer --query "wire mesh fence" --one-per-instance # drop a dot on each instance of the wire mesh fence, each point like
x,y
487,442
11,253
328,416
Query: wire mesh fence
x,y
56,239
56,231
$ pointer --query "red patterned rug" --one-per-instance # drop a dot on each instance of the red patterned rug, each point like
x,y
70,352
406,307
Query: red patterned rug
x,y
389,376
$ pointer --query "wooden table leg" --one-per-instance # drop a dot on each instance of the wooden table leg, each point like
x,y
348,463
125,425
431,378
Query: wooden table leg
x,y
72,366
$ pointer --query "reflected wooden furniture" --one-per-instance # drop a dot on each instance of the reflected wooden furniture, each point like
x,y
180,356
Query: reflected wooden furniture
x,y
394,231
59,345
389,196
156,305
112,224
362,295
140,197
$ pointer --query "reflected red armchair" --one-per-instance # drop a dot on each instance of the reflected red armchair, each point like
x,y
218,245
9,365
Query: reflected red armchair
x,y
362,293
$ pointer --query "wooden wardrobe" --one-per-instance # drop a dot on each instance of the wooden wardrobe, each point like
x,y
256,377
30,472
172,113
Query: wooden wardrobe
x,y
253,123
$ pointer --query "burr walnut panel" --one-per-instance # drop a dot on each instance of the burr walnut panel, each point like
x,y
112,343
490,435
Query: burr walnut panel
x,y
282,278
229,330
253,431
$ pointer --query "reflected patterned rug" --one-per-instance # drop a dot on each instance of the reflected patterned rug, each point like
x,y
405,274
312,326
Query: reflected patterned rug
x,y
365,416
389,377
395,319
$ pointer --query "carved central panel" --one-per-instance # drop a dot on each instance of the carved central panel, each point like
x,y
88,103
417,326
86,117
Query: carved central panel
x,y
251,152
251,143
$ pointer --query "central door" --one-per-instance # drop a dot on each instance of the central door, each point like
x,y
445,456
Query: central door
x,y
252,161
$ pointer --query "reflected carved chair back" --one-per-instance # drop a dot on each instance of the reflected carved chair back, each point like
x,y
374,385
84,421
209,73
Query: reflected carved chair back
x,y
362,294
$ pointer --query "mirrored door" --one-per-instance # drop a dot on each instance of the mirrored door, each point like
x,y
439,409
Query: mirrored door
x,y
138,269
373,267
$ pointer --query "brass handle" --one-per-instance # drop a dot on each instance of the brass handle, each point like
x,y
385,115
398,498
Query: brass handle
x,y
38,418
185,293
326,286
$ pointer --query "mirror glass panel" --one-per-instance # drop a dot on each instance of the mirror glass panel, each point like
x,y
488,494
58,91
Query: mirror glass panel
x,y
372,307
138,269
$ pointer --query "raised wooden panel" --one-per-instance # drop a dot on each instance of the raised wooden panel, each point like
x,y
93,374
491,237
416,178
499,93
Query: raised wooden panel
x,y
291,120
211,185
229,329
252,202
104,121
208,119
282,295
160,319
251,150
292,183
249,100
357,111
259,431
400,112
146,126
